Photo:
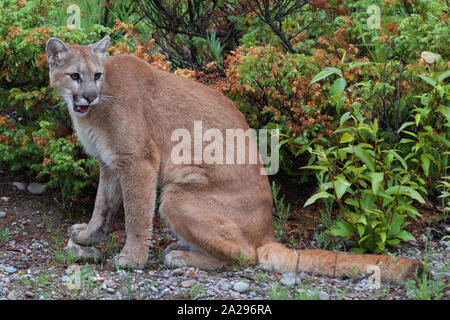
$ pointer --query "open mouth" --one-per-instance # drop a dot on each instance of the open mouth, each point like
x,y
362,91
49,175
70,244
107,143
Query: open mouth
x,y
81,109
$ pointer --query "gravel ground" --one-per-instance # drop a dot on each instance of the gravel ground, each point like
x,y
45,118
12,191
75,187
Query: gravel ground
x,y
33,266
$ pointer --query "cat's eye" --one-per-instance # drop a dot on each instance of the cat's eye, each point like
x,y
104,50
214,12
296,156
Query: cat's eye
x,y
97,76
75,76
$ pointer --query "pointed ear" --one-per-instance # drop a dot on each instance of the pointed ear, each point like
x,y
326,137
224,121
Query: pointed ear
x,y
100,47
56,50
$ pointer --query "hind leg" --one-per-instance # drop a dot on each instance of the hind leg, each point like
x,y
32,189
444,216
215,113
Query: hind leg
x,y
216,238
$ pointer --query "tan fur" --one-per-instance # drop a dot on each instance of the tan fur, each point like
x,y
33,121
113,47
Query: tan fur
x,y
220,212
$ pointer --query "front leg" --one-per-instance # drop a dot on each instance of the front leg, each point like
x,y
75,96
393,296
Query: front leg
x,y
107,202
138,181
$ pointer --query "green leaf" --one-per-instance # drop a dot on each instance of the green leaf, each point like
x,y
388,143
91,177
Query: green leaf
x,y
320,195
338,87
443,76
342,229
431,82
405,190
344,118
357,250
425,163
404,125
377,178
346,137
365,157
326,73
341,185
361,230
405,236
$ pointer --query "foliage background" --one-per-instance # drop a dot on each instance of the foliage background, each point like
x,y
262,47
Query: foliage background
x,y
313,69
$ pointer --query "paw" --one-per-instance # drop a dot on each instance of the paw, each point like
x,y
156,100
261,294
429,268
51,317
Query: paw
x,y
175,246
130,261
175,259
80,234
77,233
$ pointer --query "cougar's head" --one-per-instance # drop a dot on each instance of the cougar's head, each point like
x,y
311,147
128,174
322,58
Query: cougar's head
x,y
76,72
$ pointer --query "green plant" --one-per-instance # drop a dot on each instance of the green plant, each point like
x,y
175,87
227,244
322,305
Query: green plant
x,y
4,235
371,185
424,286
281,211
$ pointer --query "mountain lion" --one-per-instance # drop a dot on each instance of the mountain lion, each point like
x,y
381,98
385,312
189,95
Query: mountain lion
x,y
124,112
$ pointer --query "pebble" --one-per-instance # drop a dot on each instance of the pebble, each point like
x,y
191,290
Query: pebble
x,y
111,284
188,283
36,188
10,269
29,294
240,287
225,286
20,185
178,272
2,214
324,296
288,279
11,296
110,290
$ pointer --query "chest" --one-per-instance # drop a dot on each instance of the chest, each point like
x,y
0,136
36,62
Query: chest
x,y
95,142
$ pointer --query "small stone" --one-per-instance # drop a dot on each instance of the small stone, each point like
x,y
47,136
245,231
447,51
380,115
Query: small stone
x,y
20,185
240,287
11,296
81,252
235,295
2,214
35,213
110,290
188,283
288,279
36,188
225,286
324,296
111,284
10,270
50,212
29,294
447,229
178,272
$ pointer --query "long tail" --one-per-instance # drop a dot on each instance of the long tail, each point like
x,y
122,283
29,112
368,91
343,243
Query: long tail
x,y
274,256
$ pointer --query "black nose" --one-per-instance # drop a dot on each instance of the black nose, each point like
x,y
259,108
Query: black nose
x,y
90,98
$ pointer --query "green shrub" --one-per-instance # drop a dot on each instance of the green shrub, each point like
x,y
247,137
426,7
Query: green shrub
x,y
33,126
372,186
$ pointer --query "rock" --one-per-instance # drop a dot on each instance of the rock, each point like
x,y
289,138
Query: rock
x,y
81,252
324,296
20,185
36,188
188,283
110,290
288,279
2,214
225,286
10,270
111,284
430,57
11,296
240,287
235,295
29,294
178,272
50,212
